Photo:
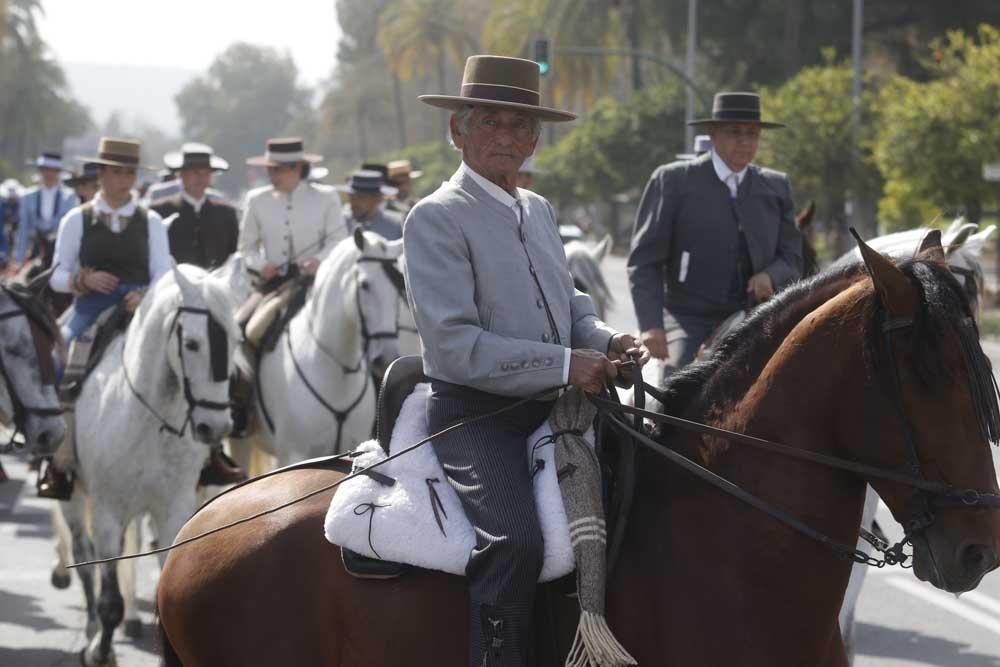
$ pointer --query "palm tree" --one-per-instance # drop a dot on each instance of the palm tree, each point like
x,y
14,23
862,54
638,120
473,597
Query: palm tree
x,y
416,34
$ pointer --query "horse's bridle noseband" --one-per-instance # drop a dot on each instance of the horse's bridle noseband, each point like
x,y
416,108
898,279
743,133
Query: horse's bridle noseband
x,y
189,397
21,409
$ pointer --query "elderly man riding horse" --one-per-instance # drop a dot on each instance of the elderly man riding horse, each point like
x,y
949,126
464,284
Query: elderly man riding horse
x,y
500,321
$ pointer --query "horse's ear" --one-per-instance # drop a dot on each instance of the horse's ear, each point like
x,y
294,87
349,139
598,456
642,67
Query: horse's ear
x,y
394,249
894,289
187,287
602,248
930,248
38,283
359,238
960,237
805,216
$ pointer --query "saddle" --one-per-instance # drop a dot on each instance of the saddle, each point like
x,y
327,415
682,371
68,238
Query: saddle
x,y
617,462
86,352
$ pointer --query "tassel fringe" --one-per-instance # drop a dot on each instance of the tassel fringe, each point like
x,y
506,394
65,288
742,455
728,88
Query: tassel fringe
x,y
595,645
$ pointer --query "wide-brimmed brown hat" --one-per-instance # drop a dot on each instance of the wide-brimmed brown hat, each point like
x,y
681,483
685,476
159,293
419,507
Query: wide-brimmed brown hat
x,y
116,153
195,155
284,150
736,108
399,168
500,81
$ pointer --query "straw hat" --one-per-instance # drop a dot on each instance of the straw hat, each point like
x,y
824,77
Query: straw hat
x,y
399,168
285,150
500,81
116,153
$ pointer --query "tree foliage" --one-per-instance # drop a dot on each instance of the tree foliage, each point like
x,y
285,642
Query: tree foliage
x,y
250,93
937,135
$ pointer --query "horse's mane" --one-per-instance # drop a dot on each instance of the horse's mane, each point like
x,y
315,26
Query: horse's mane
x,y
729,373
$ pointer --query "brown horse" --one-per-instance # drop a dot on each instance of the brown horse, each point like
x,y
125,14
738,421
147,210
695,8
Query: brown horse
x,y
702,578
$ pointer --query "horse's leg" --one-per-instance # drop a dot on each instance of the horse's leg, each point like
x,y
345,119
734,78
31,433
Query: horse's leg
x,y
126,577
108,533
858,573
60,575
74,514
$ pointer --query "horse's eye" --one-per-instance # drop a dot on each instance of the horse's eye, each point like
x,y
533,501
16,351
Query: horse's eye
x,y
191,345
364,284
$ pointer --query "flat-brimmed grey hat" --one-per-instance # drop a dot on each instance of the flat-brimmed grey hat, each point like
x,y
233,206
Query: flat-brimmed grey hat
x,y
194,155
367,182
736,108
48,160
500,81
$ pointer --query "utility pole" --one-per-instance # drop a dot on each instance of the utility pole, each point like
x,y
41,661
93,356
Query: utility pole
x,y
692,40
856,55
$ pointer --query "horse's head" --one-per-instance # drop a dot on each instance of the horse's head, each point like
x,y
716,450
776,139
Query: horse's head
x,y
584,263
937,413
201,339
28,340
357,291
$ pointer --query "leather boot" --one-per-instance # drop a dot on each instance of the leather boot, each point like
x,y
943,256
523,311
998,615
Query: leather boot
x,y
221,470
53,482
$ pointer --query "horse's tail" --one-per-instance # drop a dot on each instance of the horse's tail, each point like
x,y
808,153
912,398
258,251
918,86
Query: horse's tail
x,y
167,652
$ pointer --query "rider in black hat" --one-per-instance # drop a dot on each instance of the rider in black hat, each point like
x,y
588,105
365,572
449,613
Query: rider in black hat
x,y
366,193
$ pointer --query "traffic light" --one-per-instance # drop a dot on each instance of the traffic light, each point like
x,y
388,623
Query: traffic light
x,y
542,55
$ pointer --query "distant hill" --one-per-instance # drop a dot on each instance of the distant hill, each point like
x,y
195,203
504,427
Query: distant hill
x,y
137,91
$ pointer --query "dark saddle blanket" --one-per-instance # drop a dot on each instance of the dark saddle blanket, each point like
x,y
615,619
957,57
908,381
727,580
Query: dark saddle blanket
x,y
88,350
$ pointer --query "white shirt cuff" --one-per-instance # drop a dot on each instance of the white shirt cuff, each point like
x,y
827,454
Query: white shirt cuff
x,y
566,358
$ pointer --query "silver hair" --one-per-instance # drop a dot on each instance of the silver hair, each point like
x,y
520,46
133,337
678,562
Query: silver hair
x,y
463,118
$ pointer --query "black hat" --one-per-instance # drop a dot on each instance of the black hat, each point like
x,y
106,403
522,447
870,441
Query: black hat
x,y
87,173
194,155
368,182
736,108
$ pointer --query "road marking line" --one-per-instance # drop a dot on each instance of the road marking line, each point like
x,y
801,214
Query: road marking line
x,y
946,602
982,600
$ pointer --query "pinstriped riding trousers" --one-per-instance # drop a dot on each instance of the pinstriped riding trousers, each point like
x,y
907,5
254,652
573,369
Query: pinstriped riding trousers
x,y
487,465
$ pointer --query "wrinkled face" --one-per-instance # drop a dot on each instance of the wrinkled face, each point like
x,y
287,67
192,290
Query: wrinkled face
x,y
285,177
364,204
207,351
196,180
736,143
27,359
496,142
116,182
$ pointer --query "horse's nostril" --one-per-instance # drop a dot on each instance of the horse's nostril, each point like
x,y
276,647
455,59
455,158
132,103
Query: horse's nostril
x,y
978,557
44,438
203,429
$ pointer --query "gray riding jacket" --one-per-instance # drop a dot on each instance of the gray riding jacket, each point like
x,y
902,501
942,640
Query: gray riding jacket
x,y
478,282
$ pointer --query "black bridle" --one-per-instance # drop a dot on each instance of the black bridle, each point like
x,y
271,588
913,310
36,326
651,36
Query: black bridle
x,y
218,359
21,409
928,496
340,415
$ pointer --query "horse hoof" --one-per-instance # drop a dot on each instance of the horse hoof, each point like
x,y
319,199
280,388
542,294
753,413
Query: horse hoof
x,y
133,628
87,661
60,580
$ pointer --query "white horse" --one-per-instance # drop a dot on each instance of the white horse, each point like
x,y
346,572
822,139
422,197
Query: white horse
x,y
28,400
315,394
584,262
144,419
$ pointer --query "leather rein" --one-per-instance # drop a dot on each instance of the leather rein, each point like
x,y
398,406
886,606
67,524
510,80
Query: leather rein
x,y
928,495
189,397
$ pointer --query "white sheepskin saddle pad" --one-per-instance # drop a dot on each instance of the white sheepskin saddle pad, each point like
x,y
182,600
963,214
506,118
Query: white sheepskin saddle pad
x,y
398,523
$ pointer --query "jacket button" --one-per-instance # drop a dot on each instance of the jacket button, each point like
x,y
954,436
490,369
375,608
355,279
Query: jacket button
x,y
545,338
505,366
524,237
539,303
536,363
548,362
531,269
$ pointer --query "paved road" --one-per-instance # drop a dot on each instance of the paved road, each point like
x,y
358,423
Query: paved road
x,y
901,620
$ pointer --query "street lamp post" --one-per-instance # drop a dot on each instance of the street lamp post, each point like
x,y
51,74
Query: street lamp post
x,y
692,40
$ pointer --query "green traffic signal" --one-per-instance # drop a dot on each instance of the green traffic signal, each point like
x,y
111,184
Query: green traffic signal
x,y
543,68
542,55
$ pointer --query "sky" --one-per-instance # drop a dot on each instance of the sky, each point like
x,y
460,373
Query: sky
x,y
188,34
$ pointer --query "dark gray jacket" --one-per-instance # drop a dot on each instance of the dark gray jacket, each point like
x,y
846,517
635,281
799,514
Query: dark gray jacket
x,y
686,237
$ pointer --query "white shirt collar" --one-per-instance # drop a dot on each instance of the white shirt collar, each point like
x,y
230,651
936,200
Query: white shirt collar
x,y
724,172
195,203
125,211
491,188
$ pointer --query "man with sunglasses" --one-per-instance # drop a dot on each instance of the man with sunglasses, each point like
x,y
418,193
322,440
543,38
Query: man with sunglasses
x,y
717,232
